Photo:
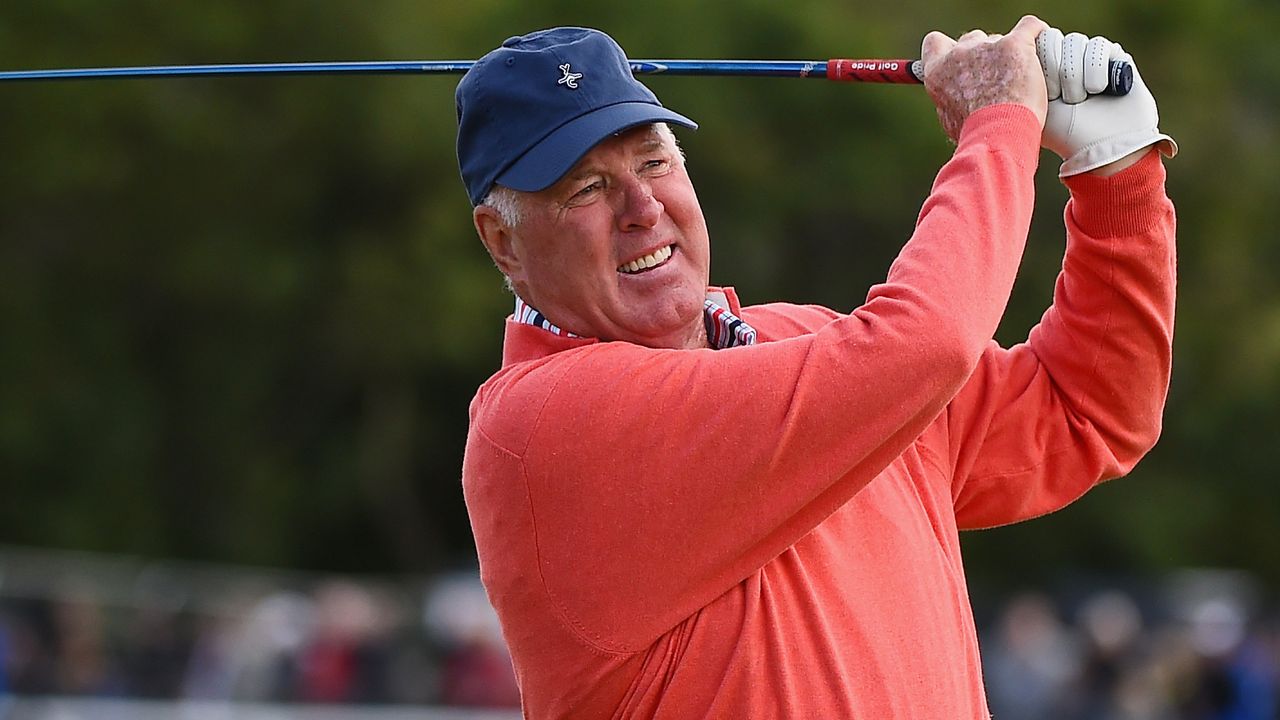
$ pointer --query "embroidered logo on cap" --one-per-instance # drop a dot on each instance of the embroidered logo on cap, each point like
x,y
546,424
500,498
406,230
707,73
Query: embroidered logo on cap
x,y
570,79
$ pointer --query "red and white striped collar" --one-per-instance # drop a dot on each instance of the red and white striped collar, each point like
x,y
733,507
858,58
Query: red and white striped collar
x,y
525,313
724,329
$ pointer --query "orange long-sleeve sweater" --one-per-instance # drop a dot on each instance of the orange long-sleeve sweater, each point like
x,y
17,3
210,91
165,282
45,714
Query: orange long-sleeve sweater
x,y
772,530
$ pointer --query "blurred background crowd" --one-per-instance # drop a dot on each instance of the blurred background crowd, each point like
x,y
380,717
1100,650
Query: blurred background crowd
x,y
109,627
1184,649
1196,645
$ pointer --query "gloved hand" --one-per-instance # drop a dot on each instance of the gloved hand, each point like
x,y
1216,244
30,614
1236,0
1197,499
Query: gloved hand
x,y
1085,129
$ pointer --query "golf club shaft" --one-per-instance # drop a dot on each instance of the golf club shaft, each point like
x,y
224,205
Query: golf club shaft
x,y
763,68
841,70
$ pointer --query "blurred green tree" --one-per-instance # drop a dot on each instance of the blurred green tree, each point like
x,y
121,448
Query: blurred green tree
x,y
241,319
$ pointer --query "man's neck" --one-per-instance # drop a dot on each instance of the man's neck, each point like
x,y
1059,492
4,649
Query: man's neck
x,y
719,328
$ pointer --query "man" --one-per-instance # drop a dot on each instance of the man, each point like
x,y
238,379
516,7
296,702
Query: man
x,y
688,508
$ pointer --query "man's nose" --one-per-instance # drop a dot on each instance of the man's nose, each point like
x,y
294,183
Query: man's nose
x,y
639,209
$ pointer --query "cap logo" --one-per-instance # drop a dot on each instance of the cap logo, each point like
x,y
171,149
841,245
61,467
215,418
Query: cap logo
x,y
570,79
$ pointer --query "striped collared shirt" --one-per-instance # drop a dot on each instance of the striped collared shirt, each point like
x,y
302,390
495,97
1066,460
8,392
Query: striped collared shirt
x,y
724,329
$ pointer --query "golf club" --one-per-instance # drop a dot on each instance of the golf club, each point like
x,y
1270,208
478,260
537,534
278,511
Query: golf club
x,y
908,72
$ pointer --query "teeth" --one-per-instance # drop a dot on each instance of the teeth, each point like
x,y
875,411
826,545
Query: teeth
x,y
646,262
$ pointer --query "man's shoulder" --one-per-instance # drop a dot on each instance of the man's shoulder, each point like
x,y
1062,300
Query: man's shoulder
x,y
513,396
509,405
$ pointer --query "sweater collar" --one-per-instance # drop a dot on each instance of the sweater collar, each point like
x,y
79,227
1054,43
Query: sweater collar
x,y
530,334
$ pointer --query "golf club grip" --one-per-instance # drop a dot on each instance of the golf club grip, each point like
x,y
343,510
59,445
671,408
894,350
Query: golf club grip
x,y
1119,73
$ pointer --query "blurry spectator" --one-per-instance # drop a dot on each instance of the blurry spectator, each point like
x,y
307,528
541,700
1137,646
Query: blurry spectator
x,y
413,672
1030,662
155,656
1268,638
6,654
479,673
261,649
209,674
476,669
1237,672
84,664
30,659
344,659
1116,682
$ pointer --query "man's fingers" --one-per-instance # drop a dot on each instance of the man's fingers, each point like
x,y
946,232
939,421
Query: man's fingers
x,y
934,46
1075,66
1029,28
1097,53
1049,50
973,35
1071,73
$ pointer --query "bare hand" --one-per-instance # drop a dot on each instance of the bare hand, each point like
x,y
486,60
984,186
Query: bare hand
x,y
965,75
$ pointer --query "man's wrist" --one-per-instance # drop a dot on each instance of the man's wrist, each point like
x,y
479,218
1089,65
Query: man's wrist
x,y
1120,204
1011,126
1123,163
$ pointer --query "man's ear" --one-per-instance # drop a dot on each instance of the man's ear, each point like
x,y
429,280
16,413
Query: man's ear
x,y
498,239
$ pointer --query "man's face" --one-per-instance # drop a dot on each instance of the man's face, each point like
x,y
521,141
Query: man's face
x,y
582,245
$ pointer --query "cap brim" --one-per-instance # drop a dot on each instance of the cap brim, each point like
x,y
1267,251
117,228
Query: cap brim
x,y
546,162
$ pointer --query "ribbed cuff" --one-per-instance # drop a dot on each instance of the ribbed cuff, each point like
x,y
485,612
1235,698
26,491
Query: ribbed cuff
x,y
1121,204
1009,127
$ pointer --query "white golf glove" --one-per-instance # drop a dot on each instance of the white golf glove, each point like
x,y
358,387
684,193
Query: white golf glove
x,y
1085,129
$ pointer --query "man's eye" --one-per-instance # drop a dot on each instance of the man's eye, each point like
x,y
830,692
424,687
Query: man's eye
x,y
657,164
589,189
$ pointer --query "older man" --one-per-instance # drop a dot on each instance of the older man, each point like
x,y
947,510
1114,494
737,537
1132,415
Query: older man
x,y
688,508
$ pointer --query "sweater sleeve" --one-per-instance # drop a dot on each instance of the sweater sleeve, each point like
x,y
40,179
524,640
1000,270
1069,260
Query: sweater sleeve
x,y
1081,400
658,479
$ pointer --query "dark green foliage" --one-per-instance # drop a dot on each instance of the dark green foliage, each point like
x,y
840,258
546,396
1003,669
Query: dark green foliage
x,y
241,319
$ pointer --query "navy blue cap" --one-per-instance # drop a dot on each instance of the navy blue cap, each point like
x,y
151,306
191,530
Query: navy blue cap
x,y
529,110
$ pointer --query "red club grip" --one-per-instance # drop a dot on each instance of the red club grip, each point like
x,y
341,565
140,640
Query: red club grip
x,y
881,71
1119,77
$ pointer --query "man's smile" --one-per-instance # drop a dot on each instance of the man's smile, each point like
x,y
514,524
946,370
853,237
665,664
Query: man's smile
x,y
648,262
